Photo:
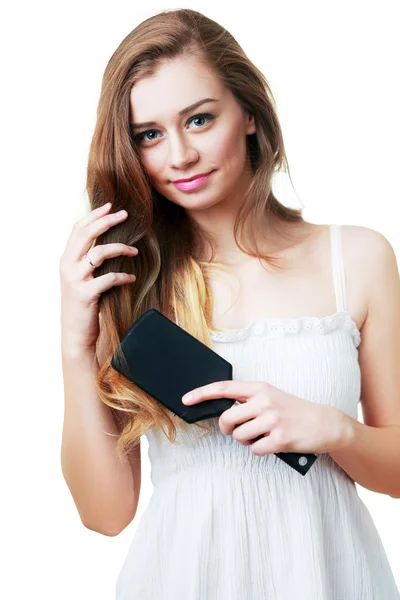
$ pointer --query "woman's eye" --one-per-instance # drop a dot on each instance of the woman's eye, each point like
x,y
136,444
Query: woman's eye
x,y
140,137
207,116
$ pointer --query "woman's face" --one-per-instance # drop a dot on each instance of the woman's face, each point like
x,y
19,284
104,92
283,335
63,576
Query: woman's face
x,y
208,137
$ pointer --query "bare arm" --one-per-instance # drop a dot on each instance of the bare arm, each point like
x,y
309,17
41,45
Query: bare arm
x,y
105,490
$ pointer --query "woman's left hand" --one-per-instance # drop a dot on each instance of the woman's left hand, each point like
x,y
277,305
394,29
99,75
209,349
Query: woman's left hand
x,y
289,423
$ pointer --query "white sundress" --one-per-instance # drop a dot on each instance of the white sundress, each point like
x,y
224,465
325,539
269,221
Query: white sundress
x,y
225,524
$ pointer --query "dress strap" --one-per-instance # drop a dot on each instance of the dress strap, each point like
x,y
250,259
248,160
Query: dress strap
x,y
338,267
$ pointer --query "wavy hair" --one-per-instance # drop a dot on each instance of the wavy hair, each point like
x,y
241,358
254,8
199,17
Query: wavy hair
x,y
170,276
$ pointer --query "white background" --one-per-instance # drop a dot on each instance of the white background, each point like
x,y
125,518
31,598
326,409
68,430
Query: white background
x,y
333,69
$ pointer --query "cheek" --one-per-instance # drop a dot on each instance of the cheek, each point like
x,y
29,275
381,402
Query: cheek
x,y
230,150
152,164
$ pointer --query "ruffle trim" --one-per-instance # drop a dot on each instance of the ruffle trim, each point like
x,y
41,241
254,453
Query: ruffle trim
x,y
282,326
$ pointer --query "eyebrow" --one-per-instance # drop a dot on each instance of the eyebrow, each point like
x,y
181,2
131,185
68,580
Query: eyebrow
x,y
184,111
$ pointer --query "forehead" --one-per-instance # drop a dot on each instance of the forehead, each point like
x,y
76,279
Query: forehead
x,y
175,84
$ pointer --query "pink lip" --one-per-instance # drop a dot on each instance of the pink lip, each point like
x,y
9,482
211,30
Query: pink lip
x,y
194,183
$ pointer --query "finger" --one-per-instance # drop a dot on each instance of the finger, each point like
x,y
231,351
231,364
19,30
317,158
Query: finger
x,y
237,414
98,285
267,444
239,390
94,214
86,236
83,236
98,254
87,220
252,428
69,254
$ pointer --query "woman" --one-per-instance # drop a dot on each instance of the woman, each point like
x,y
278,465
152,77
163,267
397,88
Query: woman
x,y
180,101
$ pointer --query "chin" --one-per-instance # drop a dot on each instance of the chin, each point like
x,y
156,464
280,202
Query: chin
x,y
190,202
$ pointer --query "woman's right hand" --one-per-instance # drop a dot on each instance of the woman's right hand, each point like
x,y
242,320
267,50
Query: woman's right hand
x,y
80,291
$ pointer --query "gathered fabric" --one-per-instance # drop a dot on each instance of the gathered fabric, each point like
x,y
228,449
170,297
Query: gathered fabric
x,y
225,524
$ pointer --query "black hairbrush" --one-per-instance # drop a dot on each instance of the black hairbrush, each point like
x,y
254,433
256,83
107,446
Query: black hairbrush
x,y
166,362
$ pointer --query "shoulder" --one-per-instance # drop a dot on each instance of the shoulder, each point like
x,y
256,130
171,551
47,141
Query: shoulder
x,y
367,244
360,234
372,257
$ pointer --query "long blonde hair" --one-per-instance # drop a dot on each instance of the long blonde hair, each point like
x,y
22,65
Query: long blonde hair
x,y
169,273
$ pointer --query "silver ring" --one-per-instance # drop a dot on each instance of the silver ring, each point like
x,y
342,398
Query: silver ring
x,y
89,261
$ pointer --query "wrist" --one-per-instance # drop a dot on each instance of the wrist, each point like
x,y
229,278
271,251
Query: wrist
x,y
71,352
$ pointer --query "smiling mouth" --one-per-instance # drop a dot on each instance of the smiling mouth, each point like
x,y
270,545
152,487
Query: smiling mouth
x,y
187,186
192,178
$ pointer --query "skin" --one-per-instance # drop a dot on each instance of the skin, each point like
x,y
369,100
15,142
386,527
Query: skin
x,y
176,147
180,146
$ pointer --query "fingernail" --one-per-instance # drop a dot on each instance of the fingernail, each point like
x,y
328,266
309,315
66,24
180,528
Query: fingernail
x,y
187,398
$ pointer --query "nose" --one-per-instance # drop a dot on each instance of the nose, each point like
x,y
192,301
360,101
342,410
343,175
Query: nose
x,y
181,152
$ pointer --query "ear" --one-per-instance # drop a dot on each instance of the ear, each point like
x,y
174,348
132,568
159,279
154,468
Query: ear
x,y
251,126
